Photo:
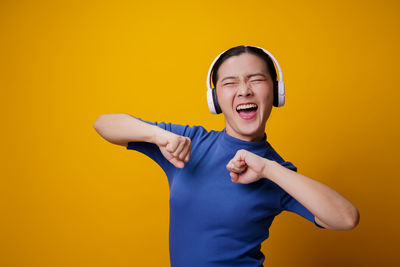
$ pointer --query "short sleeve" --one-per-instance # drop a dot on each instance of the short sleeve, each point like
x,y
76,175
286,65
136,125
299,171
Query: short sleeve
x,y
289,165
152,151
289,203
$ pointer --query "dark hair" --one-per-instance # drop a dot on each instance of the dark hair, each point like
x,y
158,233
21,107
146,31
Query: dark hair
x,y
235,51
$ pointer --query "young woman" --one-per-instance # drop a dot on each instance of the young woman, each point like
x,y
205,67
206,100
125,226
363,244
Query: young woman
x,y
227,186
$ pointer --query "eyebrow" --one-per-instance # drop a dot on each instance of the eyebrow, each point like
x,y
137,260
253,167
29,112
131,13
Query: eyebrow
x,y
248,76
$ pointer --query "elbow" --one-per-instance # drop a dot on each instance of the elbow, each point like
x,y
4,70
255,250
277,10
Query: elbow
x,y
110,126
97,123
105,120
101,122
348,221
351,219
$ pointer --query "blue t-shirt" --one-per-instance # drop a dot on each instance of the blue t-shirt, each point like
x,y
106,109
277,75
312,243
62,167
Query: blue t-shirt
x,y
215,222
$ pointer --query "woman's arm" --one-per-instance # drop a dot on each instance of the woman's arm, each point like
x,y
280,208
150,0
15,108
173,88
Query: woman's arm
x,y
119,129
331,210
122,128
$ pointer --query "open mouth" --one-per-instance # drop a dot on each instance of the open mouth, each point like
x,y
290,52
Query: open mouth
x,y
247,111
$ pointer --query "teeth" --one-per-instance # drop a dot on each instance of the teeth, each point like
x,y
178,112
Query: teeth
x,y
246,106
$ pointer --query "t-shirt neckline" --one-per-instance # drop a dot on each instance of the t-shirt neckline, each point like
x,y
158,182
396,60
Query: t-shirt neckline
x,y
236,143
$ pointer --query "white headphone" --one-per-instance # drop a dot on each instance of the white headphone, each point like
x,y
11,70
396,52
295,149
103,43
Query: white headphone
x,y
279,87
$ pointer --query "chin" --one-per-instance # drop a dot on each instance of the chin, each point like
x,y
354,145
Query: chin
x,y
249,129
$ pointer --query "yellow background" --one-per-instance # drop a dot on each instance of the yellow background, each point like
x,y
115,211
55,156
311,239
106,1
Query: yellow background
x,y
70,198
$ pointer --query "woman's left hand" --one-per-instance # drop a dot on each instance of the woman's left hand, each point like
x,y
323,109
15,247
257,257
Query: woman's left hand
x,y
246,167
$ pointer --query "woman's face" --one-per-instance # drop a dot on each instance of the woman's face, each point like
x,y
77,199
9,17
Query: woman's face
x,y
244,79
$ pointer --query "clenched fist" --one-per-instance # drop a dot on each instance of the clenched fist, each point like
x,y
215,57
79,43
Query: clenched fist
x,y
246,167
175,148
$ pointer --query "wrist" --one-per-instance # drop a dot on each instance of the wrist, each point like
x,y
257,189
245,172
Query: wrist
x,y
269,166
155,134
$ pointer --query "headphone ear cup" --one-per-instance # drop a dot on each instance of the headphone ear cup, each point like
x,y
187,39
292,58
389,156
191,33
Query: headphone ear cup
x,y
210,101
276,94
215,100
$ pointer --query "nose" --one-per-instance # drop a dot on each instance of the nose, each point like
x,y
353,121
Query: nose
x,y
244,89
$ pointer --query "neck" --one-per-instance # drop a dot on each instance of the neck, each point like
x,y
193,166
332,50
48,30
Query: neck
x,y
256,137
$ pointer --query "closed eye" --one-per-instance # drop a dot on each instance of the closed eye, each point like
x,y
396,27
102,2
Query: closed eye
x,y
233,83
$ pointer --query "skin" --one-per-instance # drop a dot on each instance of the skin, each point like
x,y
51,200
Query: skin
x,y
175,148
242,87
331,210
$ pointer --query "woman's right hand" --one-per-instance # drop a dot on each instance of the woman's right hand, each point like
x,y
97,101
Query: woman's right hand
x,y
175,148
